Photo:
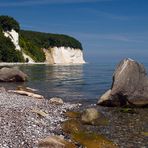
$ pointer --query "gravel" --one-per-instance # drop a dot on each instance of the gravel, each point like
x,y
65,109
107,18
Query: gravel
x,y
125,128
21,127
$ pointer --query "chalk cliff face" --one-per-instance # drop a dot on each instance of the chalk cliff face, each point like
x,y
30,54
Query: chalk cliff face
x,y
55,55
14,36
64,55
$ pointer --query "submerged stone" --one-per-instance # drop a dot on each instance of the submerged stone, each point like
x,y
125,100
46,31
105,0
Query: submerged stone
x,y
93,140
72,126
55,142
91,116
72,114
84,137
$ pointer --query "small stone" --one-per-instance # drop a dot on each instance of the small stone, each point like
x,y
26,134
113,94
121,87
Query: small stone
x,y
55,142
57,101
72,114
40,112
89,115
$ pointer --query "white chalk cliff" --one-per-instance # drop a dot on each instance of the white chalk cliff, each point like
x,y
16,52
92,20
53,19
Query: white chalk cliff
x,y
55,55
64,55
14,36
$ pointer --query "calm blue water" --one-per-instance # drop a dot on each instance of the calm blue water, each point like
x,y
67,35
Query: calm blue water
x,y
72,83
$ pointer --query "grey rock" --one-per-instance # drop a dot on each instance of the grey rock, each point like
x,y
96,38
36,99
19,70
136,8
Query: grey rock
x,y
12,75
57,101
90,115
129,86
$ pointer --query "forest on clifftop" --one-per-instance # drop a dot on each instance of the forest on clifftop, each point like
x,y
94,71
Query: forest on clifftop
x,y
31,42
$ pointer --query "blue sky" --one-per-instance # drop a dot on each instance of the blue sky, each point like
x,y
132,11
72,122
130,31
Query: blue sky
x,y
107,29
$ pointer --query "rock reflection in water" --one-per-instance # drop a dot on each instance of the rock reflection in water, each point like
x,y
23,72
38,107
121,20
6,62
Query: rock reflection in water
x,y
54,80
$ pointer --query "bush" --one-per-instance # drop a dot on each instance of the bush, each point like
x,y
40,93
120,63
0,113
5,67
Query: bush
x,y
8,23
36,53
8,52
46,40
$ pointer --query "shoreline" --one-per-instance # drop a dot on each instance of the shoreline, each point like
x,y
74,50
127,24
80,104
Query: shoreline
x,y
42,63
26,120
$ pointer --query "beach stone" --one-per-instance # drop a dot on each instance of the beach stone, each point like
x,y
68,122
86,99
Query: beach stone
x,y
90,115
55,142
2,89
40,112
72,126
28,89
129,86
57,101
12,75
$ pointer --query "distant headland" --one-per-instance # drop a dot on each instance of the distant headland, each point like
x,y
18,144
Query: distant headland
x,y
24,46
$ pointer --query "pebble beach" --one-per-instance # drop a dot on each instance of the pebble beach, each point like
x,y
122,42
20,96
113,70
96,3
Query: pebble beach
x,y
25,120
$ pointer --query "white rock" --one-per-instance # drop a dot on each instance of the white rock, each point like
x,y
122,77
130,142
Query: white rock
x,y
14,36
63,55
55,55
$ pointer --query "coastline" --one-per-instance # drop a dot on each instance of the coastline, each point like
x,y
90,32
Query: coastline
x,y
42,63
26,120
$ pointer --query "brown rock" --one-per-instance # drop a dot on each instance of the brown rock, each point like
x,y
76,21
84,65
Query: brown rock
x,y
55,142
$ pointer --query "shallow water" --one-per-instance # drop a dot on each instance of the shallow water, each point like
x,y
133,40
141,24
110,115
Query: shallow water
x,y
71,82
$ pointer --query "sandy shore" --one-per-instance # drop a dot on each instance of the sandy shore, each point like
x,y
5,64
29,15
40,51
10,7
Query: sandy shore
x,y
20,126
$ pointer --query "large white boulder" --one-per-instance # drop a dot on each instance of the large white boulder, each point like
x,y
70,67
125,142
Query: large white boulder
x,y
129,86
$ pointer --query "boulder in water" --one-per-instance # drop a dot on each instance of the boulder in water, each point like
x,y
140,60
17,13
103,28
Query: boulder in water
x,y
129,86
12,75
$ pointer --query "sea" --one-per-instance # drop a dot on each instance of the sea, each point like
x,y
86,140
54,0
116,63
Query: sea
x,y
73,83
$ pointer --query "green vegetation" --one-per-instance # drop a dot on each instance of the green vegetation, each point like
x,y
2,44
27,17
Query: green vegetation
x,y
8,23
36,53
46,40
8,52
7,48
31,42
